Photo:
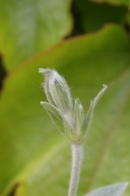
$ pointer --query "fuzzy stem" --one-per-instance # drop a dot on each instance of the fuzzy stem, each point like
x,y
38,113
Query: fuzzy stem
x,y
77,157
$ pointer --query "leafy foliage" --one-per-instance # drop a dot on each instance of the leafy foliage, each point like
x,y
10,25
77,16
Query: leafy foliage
x,y
35,158
30,26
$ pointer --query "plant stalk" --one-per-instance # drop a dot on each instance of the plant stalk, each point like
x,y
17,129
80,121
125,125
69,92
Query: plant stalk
x,y
77,157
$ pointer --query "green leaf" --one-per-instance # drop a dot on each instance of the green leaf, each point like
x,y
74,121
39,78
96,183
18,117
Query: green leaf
x,y
27,27
35,159
110,190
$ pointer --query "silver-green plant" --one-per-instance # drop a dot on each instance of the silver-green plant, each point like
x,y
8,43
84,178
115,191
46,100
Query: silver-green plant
x,y
69,118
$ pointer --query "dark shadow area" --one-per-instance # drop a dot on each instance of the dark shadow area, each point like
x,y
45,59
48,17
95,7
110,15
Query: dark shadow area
x,y
14,190
3,72
90,16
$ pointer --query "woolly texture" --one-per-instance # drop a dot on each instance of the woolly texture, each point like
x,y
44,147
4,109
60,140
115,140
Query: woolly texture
x,y
77,157
68,117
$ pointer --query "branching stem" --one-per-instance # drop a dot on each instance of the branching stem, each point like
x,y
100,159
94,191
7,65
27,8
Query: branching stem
x,y
77,157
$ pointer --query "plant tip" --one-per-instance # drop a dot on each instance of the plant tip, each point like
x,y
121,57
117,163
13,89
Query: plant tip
x,y
41,102
60,106
104,85
40,70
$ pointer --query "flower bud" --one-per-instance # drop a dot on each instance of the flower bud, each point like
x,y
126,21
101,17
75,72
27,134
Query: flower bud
x,y
70,120
57,90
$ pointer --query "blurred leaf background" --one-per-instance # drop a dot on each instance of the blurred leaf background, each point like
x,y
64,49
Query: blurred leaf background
x,y
88,43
